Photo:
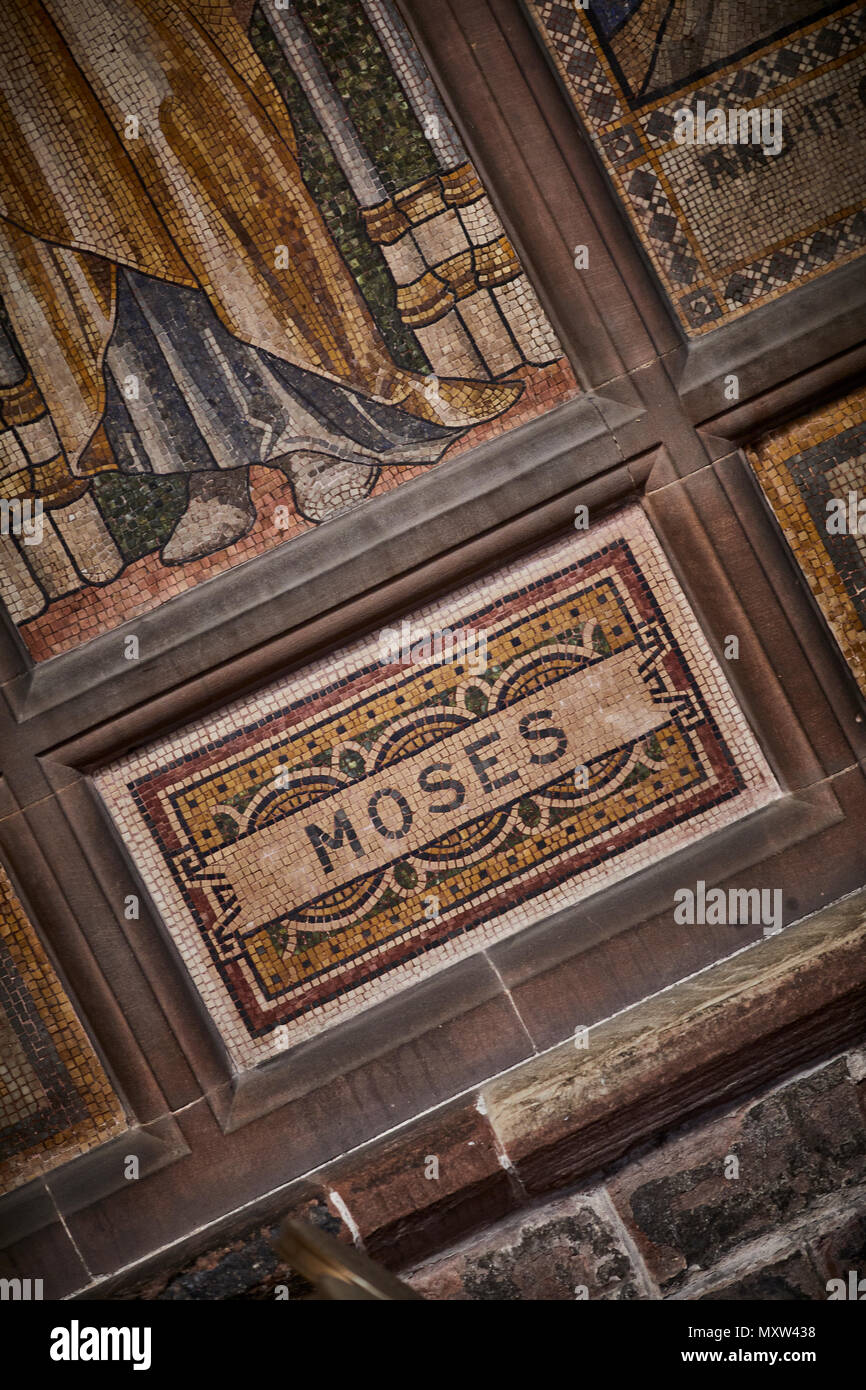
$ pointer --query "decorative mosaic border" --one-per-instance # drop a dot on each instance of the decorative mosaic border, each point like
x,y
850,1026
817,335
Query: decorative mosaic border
x,y
792,465
190,807
637,149
57,1102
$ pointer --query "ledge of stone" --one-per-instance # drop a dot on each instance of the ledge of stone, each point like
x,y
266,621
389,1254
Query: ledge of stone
x,y
788,1003
742,1023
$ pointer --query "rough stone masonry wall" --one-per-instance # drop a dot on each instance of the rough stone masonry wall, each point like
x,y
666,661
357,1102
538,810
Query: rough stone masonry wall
x,y
664,1223
708,1143
670,1223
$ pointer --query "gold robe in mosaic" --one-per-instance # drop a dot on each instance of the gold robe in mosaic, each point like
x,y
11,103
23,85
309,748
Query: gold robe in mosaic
x,y
147,134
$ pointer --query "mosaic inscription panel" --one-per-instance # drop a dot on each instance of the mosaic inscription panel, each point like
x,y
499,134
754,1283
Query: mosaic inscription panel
x,y
813,474
405,802
55,1100
249,278
630,65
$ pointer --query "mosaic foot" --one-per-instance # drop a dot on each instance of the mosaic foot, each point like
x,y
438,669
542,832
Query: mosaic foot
x,y
324,486
459,404
219,511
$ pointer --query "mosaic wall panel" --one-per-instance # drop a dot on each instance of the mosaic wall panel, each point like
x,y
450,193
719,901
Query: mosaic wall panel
x,y
630,65
813,474
433,788
249,279
55,1099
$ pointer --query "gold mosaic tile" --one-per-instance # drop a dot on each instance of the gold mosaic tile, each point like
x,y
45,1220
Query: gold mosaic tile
x,y
249,279
55,1100
813,474
430,789
798,66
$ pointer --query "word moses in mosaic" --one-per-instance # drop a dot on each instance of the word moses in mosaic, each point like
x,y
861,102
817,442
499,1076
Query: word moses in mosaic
x,y
243,289
362,824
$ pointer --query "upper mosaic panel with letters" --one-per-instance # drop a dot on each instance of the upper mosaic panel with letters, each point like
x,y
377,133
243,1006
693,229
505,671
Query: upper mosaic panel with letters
x,y
249,278
434,788
788,76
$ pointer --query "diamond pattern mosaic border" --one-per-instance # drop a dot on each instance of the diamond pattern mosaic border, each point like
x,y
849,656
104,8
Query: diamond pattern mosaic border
x,y
807,212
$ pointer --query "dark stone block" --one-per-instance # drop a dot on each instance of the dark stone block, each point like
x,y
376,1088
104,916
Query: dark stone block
x,y
786,1280
246,1267
843,1248
800,1142
553,1254
426,1187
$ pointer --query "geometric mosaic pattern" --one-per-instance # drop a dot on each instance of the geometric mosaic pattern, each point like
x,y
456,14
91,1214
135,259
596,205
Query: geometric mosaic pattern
x,y
629,65
55,1099
390,809
813,474
249,278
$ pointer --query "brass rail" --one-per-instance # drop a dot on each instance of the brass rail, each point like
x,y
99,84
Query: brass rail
x,y
337,1271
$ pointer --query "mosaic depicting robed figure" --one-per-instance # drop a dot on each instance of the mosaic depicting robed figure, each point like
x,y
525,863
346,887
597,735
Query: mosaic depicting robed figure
x,y
175,301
